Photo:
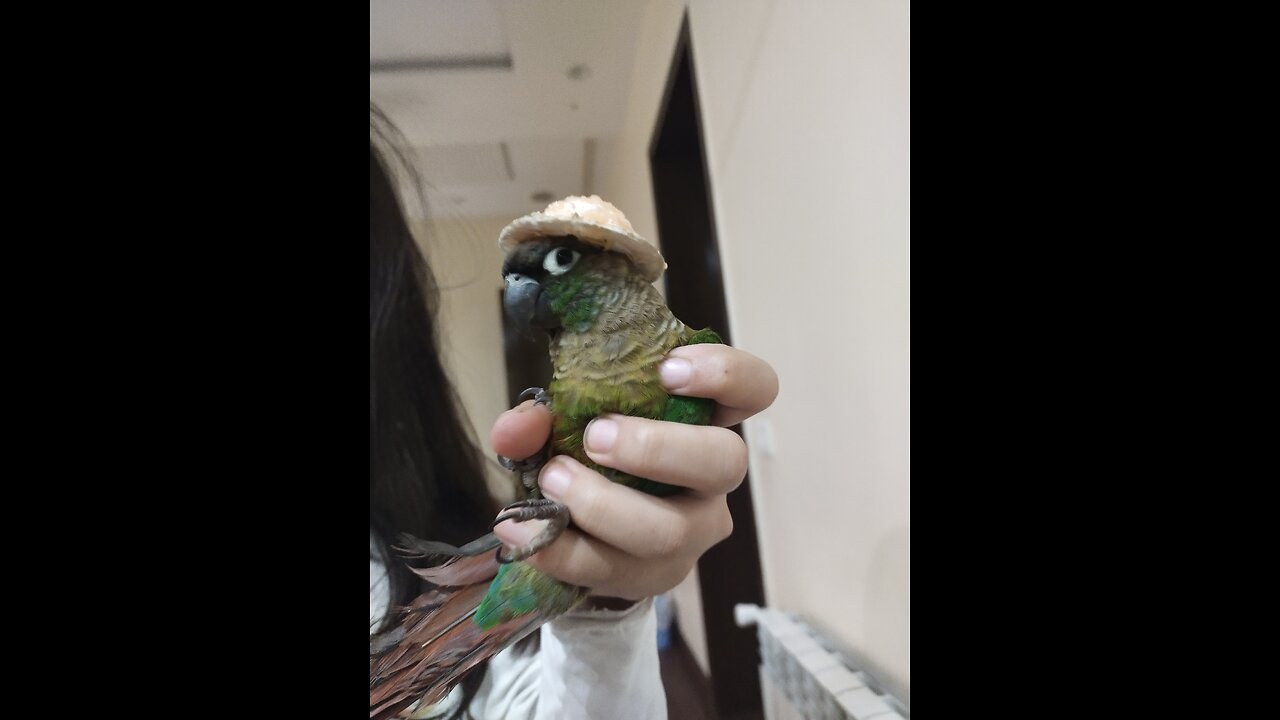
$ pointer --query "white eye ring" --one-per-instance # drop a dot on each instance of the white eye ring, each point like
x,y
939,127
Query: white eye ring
x,y
551,263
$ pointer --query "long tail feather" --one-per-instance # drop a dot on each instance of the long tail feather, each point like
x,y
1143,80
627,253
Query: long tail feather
x,y
411,546
437,642
433,657
460,572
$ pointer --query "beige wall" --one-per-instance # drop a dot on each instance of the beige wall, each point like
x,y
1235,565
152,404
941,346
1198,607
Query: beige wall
x,y
806,113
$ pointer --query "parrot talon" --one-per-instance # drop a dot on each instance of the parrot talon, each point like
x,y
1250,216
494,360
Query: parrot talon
x,y
529,467
531,509
528,464
539,395
534,509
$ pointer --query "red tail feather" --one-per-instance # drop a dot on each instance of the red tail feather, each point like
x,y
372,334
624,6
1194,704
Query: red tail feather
x,y
461,571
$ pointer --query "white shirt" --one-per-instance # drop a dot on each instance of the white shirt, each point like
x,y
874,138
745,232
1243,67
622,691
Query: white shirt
x,y
592,665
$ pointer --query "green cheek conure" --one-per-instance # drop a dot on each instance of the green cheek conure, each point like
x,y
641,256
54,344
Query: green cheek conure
x,y
579,272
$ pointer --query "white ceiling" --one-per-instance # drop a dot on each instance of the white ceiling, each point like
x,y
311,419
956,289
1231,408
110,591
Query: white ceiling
x,y
484,91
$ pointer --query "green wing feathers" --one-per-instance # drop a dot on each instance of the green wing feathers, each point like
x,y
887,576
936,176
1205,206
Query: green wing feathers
x,y
519,590
681,409
704,336
691,410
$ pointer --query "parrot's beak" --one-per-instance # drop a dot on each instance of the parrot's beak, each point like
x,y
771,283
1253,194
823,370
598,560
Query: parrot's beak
x,y
526,304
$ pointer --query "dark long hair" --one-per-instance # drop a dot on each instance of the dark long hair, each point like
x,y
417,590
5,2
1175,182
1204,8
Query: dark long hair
x,y
425,472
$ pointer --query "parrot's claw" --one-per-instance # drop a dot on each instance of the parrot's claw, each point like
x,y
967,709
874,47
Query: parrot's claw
x,y
529,464
534,509
529,467
539,395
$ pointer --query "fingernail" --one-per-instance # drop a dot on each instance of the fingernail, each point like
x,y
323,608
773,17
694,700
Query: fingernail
x,y
554,482
600,435
675,372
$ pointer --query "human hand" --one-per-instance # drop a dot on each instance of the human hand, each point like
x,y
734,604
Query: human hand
x,y
625,543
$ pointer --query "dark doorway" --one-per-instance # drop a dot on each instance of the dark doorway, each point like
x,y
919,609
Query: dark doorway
x,y
730,572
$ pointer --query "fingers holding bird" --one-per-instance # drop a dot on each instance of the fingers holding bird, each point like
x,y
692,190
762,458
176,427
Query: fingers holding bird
x,y
706,459
740,383
625,544
521,431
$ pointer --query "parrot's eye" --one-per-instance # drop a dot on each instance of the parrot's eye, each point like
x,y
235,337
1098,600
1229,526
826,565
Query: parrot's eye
x,y
560,260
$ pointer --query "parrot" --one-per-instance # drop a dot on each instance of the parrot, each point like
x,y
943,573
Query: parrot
x,y
579,273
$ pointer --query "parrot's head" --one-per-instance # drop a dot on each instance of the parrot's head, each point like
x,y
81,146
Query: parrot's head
x,y
555,282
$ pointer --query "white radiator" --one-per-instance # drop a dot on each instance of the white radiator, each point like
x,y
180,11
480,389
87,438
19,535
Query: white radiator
x,y
818,683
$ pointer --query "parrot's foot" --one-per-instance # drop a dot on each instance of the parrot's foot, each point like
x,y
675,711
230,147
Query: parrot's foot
x,y
528,468
528,465
534,509
539,395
